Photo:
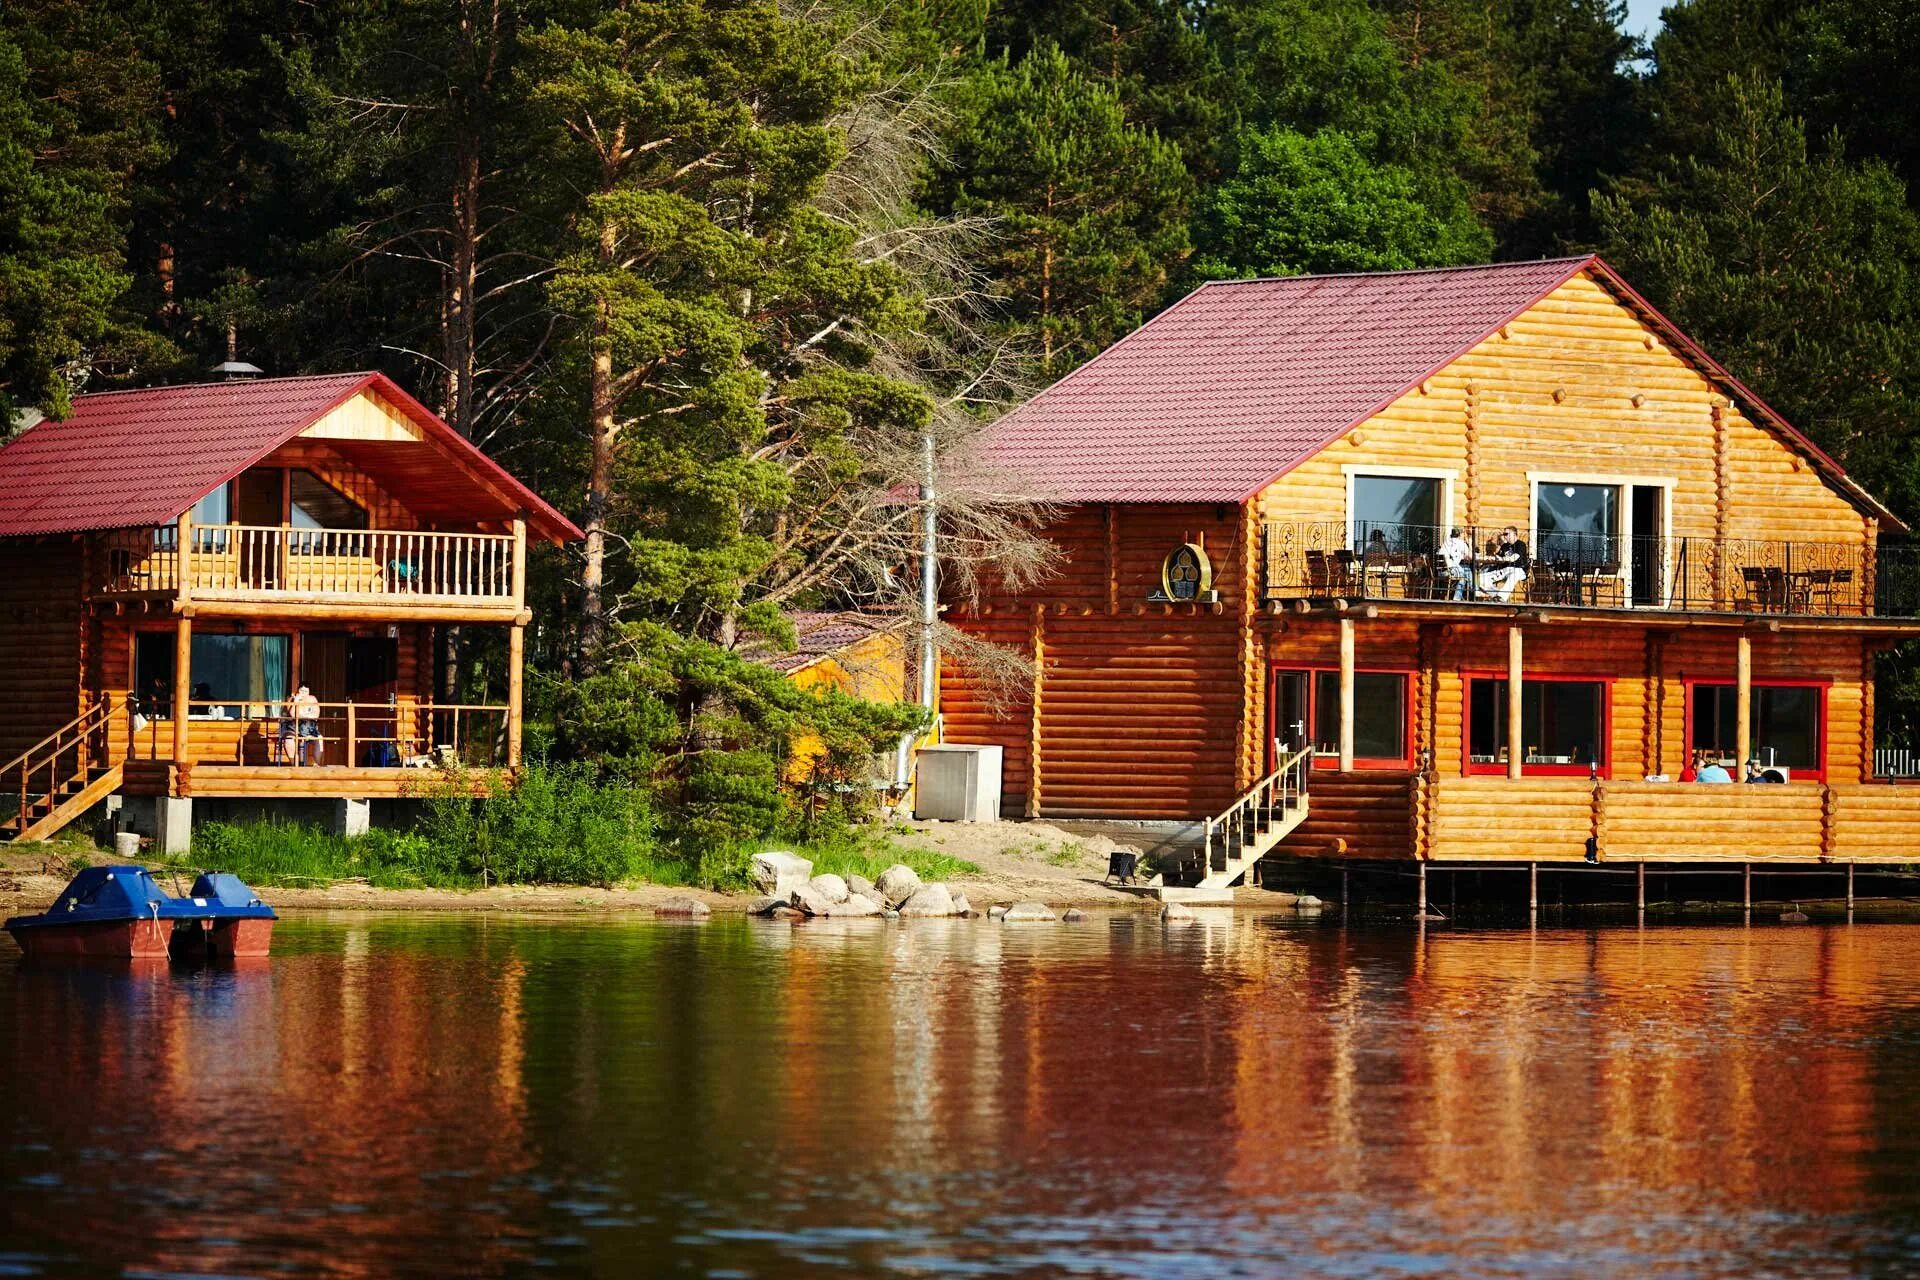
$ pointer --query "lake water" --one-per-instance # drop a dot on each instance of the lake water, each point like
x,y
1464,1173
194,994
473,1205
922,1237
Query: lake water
x,y
1252,1095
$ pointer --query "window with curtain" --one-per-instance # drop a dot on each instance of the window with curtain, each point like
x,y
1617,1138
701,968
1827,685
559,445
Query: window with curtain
x,y
1379,714
1784,722
1395,514
1578,522
1563,723
209,514
228,672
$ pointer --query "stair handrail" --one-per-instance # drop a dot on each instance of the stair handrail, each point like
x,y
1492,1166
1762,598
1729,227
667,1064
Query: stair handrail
x,y
1287,781
50,749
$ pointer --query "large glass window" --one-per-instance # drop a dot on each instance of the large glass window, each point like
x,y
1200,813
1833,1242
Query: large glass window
x,y
228,672
1395,514
315,504
1579,523
1563,723
1784,721
1379,714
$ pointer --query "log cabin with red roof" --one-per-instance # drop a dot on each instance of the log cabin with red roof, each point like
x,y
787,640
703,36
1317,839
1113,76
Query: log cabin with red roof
x,y
1292,611
176,563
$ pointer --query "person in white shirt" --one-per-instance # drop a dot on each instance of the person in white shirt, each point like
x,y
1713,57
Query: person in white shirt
x,y
1456,557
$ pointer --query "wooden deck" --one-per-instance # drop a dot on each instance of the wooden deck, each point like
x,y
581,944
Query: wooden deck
x,y
153,778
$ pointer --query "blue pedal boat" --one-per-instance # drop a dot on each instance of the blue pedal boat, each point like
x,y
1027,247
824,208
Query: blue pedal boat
x,y
122,913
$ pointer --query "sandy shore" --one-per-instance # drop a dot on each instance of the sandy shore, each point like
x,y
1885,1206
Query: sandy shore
x,y
1018,861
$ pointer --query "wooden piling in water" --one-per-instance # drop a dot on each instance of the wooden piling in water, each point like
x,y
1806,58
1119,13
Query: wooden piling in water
x,y
1533,888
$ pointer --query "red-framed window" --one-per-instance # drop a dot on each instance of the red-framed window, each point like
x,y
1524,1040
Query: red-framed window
x,y
1787,723
1305,700
1566,724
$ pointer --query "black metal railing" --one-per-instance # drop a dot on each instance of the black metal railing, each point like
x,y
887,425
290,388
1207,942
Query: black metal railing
x,y
1332,559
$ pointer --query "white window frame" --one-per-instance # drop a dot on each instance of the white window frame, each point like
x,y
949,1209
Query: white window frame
x,y
1622,504
1446,477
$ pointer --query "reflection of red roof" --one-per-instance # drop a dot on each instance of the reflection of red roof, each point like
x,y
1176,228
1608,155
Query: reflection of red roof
x,y
817,635
1242,380
131,458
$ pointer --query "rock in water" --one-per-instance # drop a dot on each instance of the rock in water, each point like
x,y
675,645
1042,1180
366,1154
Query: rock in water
x,y
897,883
961,907
830,887
855,905
994,913
1307,902
683,906
874,896
1028,913
928,900
1177,911
764,906
1072,915
784,912
810,900
778,873
859,884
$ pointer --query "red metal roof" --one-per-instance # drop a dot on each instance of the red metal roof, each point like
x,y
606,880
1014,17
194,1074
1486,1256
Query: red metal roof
x,y
132,458
1242,380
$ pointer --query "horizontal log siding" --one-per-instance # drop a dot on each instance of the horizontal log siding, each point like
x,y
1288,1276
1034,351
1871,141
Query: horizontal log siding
x,y
1358,815
1584,344
1141,704
1494,818
40,640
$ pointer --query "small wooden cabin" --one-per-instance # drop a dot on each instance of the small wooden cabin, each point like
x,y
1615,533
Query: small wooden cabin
x,y
175,563
1291,610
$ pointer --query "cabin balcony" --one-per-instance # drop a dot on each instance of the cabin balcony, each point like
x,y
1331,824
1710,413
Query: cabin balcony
x,y
1498,819
253,568
397,749
1408,568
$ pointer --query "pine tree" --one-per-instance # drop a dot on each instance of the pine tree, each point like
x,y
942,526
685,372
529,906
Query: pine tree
x,y
1092,211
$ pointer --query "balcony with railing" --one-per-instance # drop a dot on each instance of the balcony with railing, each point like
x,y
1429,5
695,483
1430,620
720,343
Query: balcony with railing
x,y
261,563
1310,560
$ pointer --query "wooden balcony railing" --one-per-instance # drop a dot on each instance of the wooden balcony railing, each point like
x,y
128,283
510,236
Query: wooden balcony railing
x,y
352,734
1321,559
257,562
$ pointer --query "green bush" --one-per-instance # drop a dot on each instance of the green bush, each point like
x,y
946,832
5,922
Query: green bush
x,y
563,824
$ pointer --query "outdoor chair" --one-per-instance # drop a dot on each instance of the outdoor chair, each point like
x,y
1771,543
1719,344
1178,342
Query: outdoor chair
x,y
1764,590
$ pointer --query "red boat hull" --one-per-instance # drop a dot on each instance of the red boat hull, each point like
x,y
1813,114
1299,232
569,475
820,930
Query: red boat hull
x,y
223,939
100,940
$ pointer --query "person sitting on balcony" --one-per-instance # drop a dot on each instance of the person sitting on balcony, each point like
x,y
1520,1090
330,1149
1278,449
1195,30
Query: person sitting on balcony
x,y
1510,565
1711,770
306,715
1456,556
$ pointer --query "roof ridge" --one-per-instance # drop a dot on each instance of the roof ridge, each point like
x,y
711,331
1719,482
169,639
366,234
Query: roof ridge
x,y
227,382
1402,271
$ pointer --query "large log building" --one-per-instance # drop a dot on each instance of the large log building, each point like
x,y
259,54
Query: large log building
x,y
1289,604
175,563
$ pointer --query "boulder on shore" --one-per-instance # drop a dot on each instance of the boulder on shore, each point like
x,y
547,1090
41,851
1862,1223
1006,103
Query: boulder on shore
x,y
1028,913
897,883
1177,912
810,900
1073,915
961,907
929,900
830,887
765,906
855,905
874,896
682,905
779,873
859,884
996,912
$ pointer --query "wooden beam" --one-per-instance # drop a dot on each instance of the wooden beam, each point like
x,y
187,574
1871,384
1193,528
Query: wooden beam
x,y
516,687
1346,695
1743,700
519,562
372,610
1516,749
182,681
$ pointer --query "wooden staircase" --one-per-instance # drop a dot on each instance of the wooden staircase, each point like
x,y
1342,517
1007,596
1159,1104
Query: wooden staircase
x,y
1267,813
59,778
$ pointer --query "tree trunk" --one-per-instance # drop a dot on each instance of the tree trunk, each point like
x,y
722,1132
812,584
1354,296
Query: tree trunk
x,y
601,407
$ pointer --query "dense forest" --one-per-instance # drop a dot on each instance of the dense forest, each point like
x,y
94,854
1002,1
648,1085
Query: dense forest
x,y
709,272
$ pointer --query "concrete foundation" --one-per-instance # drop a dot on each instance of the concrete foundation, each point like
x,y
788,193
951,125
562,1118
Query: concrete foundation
x,y
351,817
172,824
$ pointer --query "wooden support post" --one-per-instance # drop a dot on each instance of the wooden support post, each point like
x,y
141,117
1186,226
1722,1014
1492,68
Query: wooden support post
x,y
1533,888
1346,695
1743,702
353,733
1516,749
1422,910
1746,885
1346,897
182,682
1641,894
516,685
1849,888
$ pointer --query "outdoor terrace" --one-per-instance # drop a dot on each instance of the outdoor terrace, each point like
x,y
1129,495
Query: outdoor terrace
x,y
1331,560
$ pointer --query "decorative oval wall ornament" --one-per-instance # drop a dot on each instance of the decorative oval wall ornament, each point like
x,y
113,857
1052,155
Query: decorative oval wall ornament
x,y
1186,574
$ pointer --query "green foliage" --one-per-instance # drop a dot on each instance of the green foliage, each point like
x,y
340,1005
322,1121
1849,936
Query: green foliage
x,y
1309,204
1093,208
265,854
561,824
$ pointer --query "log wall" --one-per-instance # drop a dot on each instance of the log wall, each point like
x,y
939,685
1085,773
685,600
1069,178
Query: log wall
x,y
42,636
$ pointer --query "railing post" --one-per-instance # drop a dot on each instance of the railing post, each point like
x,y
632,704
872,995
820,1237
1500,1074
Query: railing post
x,y
183,556
351,734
